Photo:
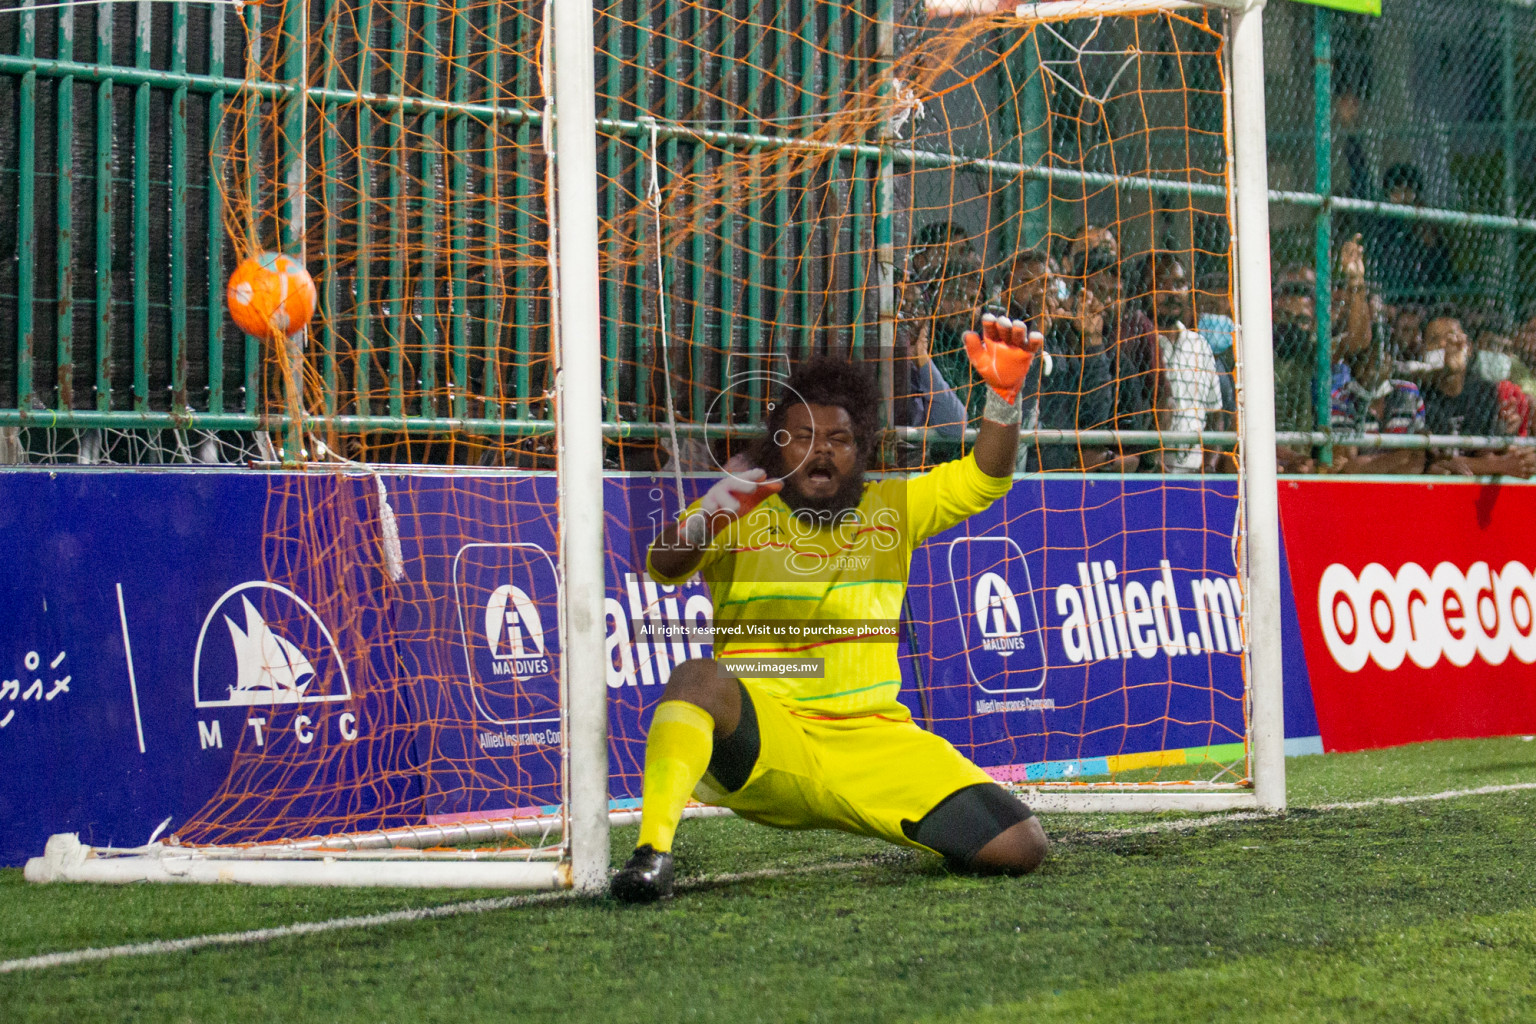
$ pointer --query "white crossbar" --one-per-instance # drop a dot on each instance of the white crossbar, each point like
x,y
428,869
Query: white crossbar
x,y
1063,10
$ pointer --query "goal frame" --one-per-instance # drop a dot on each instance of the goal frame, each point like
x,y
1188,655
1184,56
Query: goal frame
x,y
402,857
581,862
1256,383
1258,495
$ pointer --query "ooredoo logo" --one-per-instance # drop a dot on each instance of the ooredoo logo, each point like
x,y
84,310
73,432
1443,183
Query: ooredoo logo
x,y
1422,616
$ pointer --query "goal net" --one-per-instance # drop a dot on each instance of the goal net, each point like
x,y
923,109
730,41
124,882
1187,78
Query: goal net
x,y
773,181
796,179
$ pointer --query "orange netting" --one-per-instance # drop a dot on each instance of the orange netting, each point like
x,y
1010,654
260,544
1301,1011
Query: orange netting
x,y
774,180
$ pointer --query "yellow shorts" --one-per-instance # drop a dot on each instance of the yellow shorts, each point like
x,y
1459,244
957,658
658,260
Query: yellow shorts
x,y
864,775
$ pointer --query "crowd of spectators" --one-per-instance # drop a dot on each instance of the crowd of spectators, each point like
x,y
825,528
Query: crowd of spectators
x,y
1120,355
1134,344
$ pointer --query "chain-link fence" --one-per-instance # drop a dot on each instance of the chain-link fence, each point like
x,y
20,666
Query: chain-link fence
x,y
1415,132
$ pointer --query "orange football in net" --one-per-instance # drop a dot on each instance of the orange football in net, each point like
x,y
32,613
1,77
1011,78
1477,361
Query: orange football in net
x,y
270,292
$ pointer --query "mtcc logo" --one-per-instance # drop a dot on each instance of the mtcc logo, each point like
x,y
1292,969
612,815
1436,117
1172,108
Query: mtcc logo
x,y
515,633
997,615
262,644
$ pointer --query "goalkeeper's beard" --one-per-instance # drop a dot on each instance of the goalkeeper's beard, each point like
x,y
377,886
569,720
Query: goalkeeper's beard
x,y
827,510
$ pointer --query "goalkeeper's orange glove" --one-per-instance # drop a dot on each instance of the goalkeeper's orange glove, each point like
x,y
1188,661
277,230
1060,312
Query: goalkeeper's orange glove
x,y
1002,352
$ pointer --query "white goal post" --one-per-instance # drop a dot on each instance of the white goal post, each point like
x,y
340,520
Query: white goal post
x,y
579,400
1258,494
1256,372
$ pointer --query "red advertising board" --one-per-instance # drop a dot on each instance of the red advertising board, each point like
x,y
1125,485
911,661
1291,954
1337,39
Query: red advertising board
x,y
1417,606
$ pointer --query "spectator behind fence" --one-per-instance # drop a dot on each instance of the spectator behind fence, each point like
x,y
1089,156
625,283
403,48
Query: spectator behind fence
x,y
1395,407
1459,403
1069,385
1514,410
1493,357
1215,324
1413,261
1295,340
933,247
1354,150
1093,238
1406,340
1077,394
934,404
1130,348
1522,367
1190,391
941,299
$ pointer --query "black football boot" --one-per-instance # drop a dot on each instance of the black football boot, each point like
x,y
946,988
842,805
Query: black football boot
x,y
646,878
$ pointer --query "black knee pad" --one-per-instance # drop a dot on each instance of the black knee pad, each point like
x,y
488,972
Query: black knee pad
x,y
734,757
967,820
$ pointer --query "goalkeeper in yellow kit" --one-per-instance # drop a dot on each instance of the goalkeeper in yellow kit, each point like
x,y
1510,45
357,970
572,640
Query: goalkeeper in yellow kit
x,y
807,560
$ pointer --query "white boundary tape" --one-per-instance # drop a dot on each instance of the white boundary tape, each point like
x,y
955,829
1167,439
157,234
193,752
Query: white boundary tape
x,y
1187,824
257,935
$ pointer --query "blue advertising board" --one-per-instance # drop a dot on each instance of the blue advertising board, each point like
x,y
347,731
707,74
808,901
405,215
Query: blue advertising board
x,y
227,648
1081,618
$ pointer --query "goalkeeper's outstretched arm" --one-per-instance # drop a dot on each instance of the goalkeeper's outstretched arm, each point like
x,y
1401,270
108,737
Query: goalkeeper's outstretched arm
x,y
1001,355
996,445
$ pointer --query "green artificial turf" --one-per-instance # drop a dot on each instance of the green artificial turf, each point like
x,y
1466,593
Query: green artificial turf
x,y
1421,911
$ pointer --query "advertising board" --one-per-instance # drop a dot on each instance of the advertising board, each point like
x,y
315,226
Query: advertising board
x,y
173,656
1415,604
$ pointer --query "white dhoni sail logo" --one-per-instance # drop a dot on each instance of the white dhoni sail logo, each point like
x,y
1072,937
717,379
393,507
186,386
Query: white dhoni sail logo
x,y
270,670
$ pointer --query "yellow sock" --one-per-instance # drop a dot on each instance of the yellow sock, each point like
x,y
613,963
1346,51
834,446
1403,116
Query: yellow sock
x,y
677,752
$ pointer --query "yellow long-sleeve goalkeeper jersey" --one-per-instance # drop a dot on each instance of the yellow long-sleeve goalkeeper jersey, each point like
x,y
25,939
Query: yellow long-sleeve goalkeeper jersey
x,y
828,581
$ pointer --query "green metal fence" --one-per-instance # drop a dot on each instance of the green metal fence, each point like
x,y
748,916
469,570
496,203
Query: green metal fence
x,y
1417,132
117,252
118,249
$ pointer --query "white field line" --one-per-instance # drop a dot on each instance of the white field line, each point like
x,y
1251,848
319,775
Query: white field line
x,y
257,935
1187,824
267,934
1449,794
